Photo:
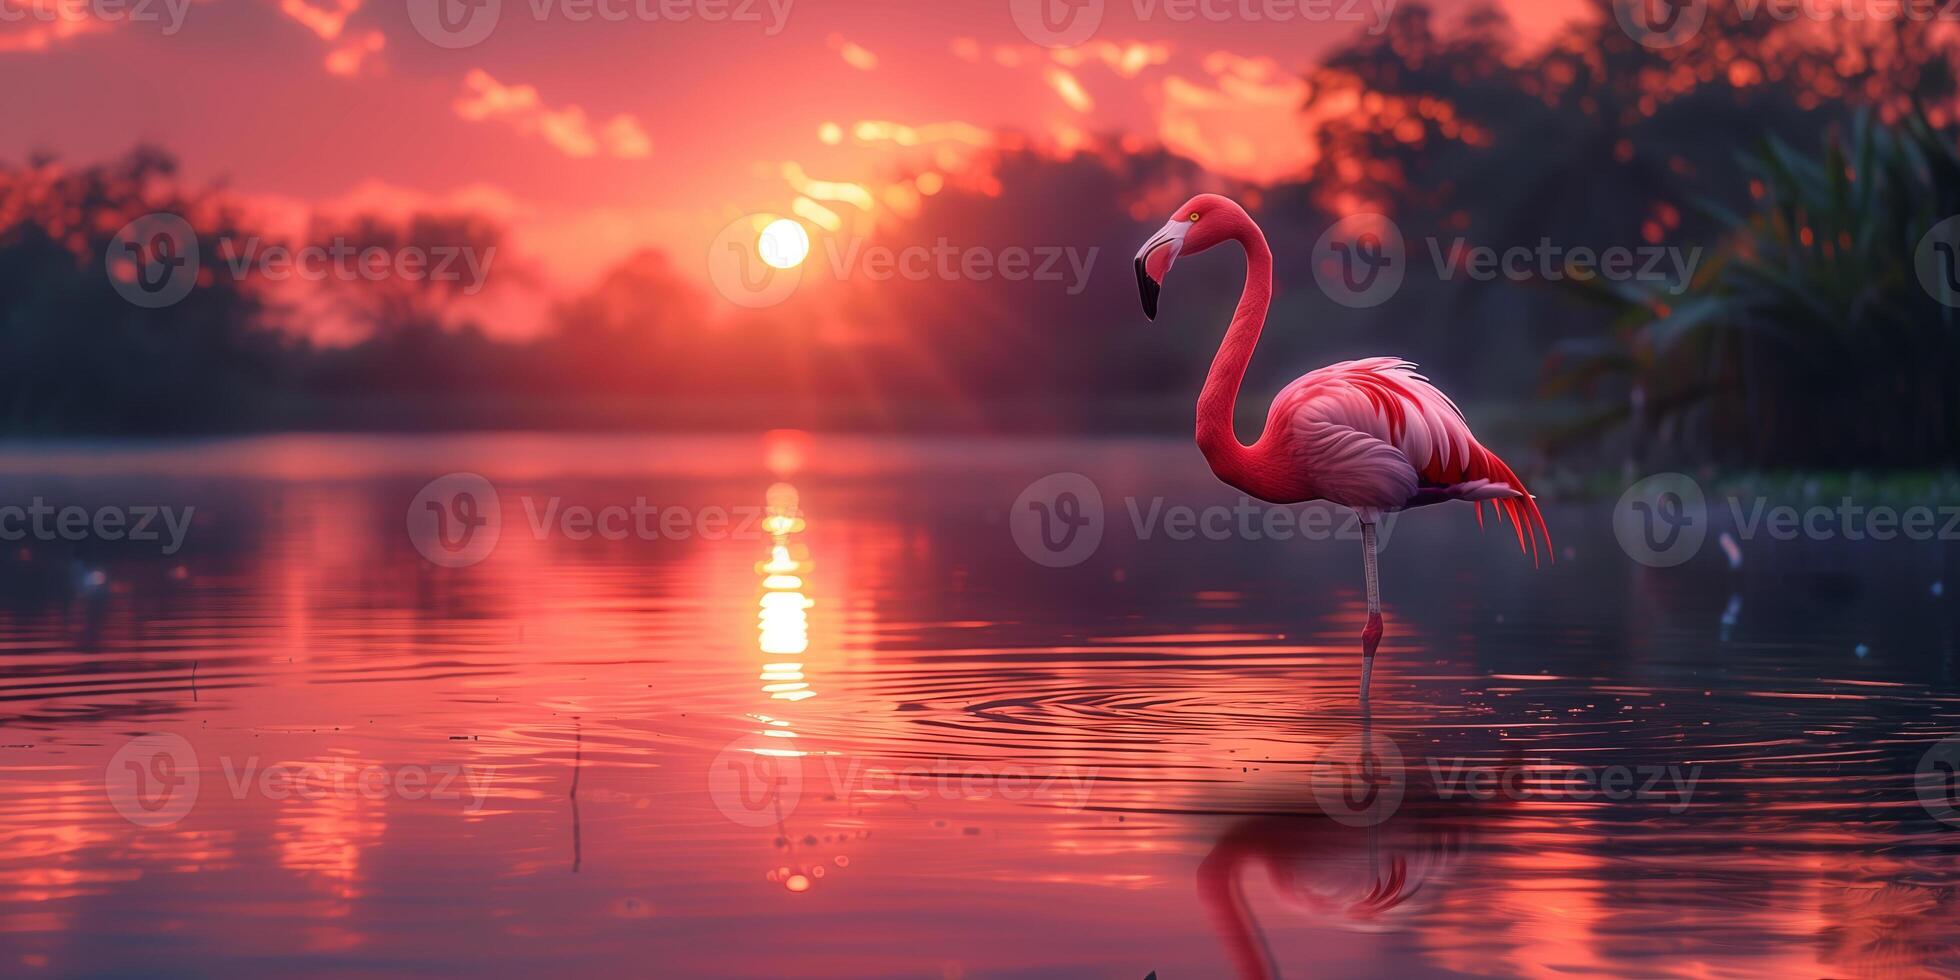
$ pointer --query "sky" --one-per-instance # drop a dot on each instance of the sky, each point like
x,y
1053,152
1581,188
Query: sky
x,y
593,137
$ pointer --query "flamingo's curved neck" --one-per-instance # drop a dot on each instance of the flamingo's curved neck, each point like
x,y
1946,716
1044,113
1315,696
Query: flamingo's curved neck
x,y
1216,403
1224,895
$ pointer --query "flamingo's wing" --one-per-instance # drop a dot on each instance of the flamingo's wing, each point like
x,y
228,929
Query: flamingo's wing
x,y
1384,398
1352,467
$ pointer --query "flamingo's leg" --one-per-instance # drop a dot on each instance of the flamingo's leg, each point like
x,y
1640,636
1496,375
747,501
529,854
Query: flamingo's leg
x,y
1371,635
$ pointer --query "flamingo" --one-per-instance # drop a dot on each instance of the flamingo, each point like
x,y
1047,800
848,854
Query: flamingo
x,y
1323,869
1372,434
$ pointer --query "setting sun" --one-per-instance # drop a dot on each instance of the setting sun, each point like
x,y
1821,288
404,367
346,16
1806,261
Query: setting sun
x,y
783,244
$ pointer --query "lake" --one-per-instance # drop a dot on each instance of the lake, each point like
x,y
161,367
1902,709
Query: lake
x,y
518,705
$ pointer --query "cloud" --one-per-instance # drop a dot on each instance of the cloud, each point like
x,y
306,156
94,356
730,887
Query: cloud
x,y
853,54
1246,123
53,20
520,107
1236,115
325,18
1065,85
347,58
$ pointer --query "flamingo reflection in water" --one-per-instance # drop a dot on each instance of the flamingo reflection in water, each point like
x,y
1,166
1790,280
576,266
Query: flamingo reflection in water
x,y
1359,877
1349,864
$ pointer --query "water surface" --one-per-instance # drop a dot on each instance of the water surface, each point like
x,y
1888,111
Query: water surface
x,y
854,730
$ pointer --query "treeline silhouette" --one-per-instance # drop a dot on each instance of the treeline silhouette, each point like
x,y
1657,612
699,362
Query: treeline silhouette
x,y
1592,141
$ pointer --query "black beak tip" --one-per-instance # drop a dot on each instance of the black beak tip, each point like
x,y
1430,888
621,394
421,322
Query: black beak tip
x,y
1149,288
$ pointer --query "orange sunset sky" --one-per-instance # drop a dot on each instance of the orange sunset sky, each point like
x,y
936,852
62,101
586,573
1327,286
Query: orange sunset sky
x,y
592,139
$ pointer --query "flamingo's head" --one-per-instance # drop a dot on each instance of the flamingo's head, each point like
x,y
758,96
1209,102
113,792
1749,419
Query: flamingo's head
x,y
1202,222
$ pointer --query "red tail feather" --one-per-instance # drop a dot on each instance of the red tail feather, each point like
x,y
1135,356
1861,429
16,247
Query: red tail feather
x,y
1526,519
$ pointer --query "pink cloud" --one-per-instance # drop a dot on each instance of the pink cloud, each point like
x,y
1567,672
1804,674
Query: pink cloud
x,y
568,129
855,55
59,20
347,57
327,19
1245,122
324,18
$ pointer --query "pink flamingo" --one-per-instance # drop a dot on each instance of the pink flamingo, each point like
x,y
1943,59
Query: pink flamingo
x,y
1321,868
1371,434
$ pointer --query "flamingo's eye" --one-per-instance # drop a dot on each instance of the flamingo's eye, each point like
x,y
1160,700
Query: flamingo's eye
x,y
1194,216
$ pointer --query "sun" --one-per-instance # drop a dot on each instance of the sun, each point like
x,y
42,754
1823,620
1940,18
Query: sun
x,y
783,244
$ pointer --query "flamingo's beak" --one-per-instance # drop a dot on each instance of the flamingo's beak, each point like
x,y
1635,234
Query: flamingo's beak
x,y
1154,261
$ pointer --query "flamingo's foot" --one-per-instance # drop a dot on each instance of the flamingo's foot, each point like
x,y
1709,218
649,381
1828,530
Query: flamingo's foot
x,y
1371,635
